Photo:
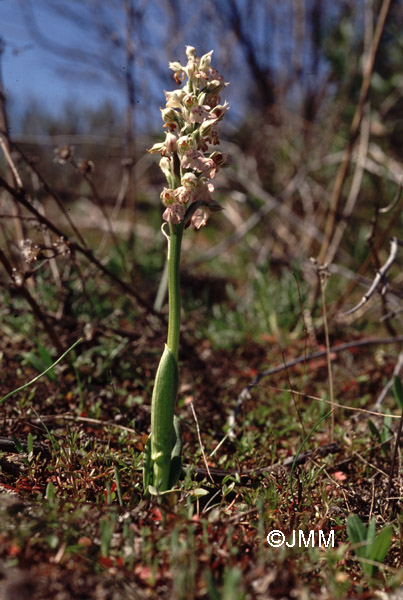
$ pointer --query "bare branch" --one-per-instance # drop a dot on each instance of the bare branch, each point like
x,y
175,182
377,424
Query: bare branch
x,y
378,278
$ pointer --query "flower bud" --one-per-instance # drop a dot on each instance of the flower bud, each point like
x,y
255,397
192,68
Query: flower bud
x,y
220,110
171,143
221,159
205,60
157,148
168,115
214,87
206,127
191,52
192,70
174,214
174,99
165,166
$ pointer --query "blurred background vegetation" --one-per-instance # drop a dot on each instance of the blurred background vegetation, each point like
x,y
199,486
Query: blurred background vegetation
x,y
317,152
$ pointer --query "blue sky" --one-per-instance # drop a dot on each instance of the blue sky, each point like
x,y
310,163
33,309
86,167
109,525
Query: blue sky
x,y
64,74
30,72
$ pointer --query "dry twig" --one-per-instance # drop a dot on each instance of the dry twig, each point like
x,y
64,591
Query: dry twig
x,y
378,278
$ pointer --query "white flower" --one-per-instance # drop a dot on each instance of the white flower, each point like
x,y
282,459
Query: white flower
x,y
189,181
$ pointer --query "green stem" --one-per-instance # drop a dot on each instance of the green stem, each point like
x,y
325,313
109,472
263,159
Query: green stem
x,y
162,458
174,254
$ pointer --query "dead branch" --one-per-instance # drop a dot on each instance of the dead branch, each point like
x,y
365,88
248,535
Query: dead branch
x,y
354,131
378,278
245,393
21,197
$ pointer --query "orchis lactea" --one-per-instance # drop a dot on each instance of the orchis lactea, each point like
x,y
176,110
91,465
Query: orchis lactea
x,y
190,118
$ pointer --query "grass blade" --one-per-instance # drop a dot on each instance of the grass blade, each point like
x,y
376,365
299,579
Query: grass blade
x,y
35,379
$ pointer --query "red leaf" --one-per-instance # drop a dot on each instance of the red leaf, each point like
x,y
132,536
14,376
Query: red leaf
x,y
14,550
156,514
105,561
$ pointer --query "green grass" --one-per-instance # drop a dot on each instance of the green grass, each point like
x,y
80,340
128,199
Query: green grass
x,y
84,507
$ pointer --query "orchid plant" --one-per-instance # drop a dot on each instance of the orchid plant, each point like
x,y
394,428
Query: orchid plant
x,y
190,118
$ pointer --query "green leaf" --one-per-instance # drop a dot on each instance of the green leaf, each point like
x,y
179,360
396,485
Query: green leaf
x,y
398,391
118,484
50,491
357,534
386,429
200,492
381,545
30,443
176,455
107,527
371,534
375,549
374,430
17,444
162,417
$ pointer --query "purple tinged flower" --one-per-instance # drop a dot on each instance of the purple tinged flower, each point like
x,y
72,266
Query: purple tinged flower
x,y
171,143
194,159
203,191
200,217
190,116
199,114
212,100
174,214
206,127
182,195
216,78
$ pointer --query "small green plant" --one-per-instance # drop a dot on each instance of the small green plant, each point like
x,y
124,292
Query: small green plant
x,y
398,391
190,116
369,548
41,361
384,435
